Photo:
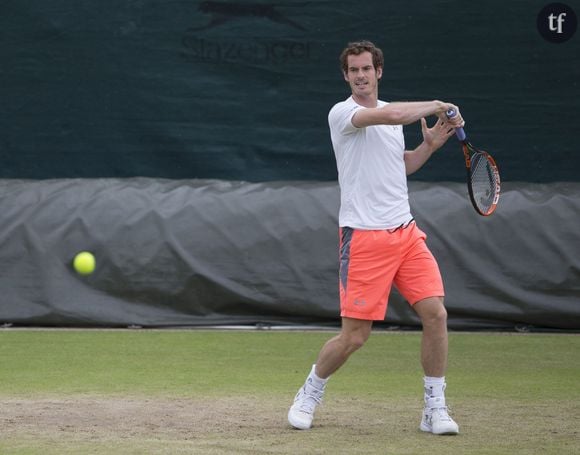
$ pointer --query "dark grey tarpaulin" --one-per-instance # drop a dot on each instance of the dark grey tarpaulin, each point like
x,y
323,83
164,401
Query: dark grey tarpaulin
x,y
206,252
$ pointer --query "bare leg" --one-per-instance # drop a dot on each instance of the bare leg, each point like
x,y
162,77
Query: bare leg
x,y
337,350
434,341
353,334
436,418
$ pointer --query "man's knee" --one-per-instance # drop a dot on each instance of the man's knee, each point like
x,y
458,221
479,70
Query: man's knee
x,y
432,311
354,338
355,341
439,313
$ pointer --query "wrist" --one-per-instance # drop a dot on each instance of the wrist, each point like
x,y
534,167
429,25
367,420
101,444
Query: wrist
x,y
427,148
440,107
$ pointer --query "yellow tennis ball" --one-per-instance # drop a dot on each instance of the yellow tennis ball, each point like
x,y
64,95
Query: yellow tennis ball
x,y
84,263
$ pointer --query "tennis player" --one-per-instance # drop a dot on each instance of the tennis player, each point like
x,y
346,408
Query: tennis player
x,y
380,243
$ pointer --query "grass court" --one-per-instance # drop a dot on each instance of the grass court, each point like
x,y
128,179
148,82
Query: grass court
x,y
228,392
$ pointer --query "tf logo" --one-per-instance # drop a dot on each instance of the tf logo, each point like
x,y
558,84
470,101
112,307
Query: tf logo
x,y
557,22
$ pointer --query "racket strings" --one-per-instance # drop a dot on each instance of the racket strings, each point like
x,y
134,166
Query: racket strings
x,y
484,182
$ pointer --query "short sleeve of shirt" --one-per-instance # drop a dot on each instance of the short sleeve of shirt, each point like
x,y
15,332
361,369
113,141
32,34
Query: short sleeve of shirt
x,y
340,117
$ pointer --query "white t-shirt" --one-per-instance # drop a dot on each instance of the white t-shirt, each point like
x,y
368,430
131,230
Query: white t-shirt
x,y
371,170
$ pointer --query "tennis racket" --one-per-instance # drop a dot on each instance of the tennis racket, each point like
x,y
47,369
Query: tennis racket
x,y
483,182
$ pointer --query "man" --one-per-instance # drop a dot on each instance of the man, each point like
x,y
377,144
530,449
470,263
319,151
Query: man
x,y
380,244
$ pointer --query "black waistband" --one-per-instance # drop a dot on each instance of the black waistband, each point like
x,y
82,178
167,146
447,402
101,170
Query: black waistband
x,y
402,226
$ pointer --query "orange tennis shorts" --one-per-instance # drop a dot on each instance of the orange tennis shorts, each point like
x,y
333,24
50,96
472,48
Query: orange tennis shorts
x,y
372,261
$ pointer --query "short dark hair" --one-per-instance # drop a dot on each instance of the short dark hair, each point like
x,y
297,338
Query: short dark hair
x,y
357,48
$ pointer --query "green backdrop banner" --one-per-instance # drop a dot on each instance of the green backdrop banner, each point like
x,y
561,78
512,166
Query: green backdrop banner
x,y
241,89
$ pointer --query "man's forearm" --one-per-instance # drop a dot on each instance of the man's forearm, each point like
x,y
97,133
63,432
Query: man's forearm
x,y
415,159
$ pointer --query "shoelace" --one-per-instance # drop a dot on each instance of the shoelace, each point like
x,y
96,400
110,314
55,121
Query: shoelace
x,y
443,413
310,399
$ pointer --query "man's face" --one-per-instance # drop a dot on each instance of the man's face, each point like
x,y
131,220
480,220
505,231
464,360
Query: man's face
x,y
361,75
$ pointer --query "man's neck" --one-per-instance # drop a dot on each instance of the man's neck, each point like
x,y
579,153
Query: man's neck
x,y
366,101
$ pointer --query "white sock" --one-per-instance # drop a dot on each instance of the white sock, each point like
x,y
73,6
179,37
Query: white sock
x,y
317,382
434,387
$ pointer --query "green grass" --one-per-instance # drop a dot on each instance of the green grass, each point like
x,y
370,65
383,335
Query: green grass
x,y
510,393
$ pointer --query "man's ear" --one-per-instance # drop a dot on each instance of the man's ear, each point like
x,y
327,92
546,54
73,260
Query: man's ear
x,y
379,72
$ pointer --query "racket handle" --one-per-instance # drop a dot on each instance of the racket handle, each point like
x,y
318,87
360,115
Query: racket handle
x,y
458,131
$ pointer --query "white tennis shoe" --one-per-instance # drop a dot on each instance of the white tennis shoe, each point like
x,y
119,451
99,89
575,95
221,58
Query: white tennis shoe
x,y
301,412
436,418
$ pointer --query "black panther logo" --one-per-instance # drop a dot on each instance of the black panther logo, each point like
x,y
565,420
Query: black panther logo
x,y
222,12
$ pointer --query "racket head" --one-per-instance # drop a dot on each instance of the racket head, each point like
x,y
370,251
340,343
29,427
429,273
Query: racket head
x,y
483,181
